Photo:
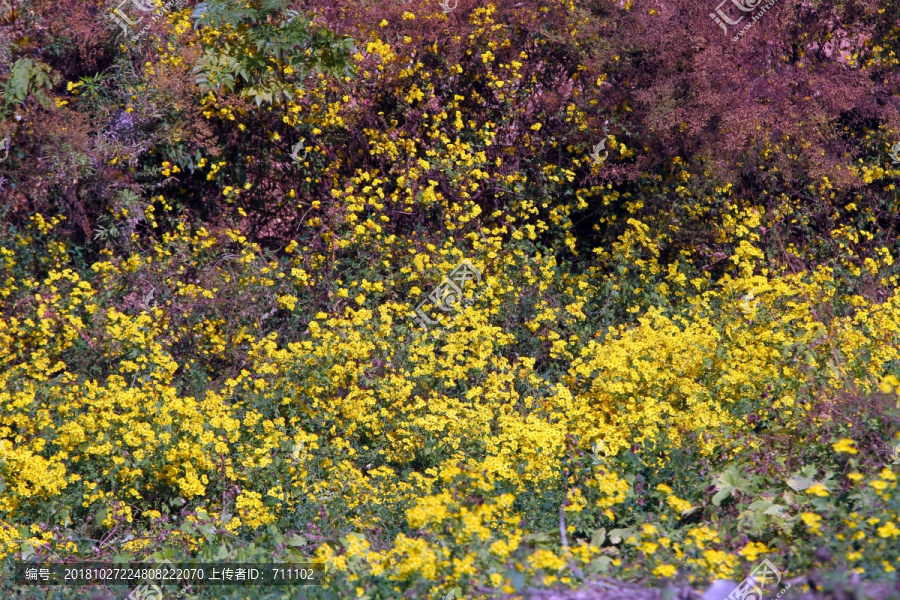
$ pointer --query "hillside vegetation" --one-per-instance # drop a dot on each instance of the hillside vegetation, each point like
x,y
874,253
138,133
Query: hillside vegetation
x,y
678,347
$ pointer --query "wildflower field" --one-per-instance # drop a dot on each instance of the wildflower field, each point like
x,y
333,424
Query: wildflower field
x,y
469,297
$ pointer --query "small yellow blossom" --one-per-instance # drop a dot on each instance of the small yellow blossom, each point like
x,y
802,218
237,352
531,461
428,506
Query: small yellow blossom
x,y
845,446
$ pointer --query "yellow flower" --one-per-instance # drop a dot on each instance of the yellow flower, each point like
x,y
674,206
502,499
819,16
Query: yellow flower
x,y
545,559
812,521
752,550
287,301
888,530
889,384
854,476
678,504
649,547
845,446
665,571
818,490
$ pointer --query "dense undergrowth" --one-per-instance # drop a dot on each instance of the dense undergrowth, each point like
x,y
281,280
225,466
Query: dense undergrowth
x,y
674,362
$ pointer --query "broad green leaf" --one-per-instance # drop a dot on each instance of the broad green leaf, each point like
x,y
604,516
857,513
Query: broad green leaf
x,y
798,483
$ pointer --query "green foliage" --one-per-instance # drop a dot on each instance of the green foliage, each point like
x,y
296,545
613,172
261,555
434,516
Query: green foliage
x,y
267,50
29,77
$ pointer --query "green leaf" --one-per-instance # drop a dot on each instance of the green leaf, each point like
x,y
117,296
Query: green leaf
x,y
516,578
598,537
760,505
222,553
27,551
601,564
617,535
798,483
722,494
271,40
